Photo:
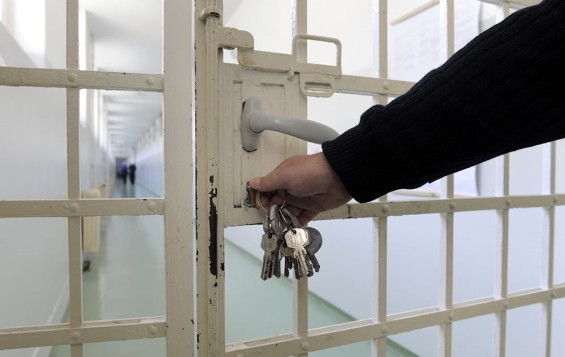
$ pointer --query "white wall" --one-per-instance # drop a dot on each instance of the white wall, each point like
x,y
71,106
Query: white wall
x,y
33,251
150,164
27,26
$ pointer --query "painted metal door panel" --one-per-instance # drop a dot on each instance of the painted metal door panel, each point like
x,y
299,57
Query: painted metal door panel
x,y
279,96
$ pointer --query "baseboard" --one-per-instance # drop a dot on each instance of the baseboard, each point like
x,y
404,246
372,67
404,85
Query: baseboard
x,y
57,316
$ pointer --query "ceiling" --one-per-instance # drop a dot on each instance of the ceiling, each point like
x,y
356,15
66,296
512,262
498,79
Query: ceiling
x,y
127,37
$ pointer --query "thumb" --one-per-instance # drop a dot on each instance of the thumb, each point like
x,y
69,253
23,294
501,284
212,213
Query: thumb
x,y
267,183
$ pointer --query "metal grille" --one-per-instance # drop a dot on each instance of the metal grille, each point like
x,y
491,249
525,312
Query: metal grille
x,y
212,73
176,206
214,213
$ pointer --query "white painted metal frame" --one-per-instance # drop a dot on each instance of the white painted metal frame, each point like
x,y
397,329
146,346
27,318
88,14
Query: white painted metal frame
x,y
211,37
208,339
176,206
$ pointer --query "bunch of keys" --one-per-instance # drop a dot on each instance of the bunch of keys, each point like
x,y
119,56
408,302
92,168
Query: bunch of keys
x,y
284,238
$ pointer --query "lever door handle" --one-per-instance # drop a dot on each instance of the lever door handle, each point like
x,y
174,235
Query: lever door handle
x,y
254,121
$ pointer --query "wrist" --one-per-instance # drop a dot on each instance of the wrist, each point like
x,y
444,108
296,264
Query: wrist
x,y
334,183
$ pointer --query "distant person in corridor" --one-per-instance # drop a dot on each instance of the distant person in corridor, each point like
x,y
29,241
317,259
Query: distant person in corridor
x,y
124,172
131,172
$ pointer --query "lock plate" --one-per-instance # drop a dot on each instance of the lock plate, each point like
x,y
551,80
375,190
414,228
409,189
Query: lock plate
x,y
279,95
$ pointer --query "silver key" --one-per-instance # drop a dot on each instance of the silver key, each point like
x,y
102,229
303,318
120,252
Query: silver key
x,y
297,270
267,224
297,239
277,228
265,268
287,265
276,258
289,261
314,245
269,245
302,266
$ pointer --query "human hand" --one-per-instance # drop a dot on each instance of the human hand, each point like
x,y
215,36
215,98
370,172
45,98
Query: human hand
x,y
307,183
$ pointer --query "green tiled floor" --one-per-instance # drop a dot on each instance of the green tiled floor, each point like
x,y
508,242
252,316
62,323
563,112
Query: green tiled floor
x,y
126,279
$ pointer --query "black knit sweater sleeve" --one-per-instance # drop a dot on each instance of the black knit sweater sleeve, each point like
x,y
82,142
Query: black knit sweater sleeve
x,y
504,91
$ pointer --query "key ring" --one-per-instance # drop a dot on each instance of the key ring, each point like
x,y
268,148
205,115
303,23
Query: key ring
x,y
260,203
283,215
258,200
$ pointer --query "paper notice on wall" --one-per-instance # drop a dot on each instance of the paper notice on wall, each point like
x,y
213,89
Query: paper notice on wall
x,y
418,41
419,44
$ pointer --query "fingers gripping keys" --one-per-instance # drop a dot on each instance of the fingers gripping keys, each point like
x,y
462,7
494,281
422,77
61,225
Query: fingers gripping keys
x,y
284,238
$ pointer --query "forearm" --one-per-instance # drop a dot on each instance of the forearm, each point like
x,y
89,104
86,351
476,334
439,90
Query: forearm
x,y
500,93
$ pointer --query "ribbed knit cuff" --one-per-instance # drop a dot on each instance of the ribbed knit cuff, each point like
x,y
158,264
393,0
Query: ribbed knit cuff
x,y
349,155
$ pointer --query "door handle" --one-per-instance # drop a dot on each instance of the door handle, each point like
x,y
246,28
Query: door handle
x,y
254,122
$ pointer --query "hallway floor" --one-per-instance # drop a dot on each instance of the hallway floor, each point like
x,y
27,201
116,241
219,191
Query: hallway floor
x,y
126,279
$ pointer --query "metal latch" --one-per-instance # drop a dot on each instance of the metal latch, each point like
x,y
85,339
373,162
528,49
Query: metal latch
x,y
316,80
251,197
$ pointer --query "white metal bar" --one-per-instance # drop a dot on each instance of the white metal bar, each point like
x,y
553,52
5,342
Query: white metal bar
x,y
503,237
209,218
216,282
81,207
239,217
367,85
299,13
503,11
447,280
362,330
400,208
548,254
96,331
380,224
371,86
447,27
514,3
202,238
179,243
505,242
548,328
380,280
74,78
447,38
73,177
300,313
421,8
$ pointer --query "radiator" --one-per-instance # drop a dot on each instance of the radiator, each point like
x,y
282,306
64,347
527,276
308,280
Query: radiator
x,y
91,226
